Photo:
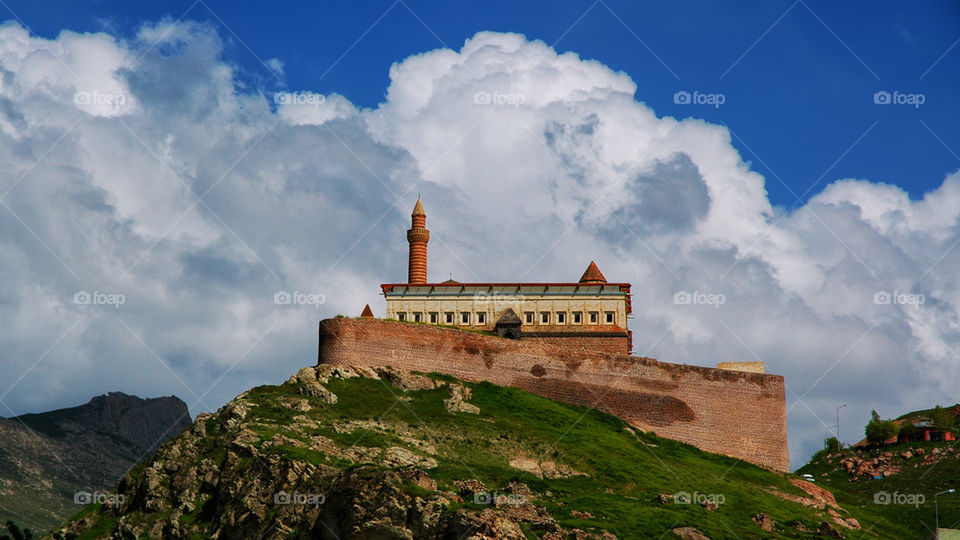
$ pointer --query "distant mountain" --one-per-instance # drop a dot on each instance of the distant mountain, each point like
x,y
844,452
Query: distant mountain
x,y
48,460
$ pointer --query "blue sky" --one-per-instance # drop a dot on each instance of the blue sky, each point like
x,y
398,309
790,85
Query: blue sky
x,y
181,183
798,78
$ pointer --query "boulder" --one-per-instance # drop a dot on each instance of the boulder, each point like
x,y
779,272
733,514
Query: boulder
x,y
764,521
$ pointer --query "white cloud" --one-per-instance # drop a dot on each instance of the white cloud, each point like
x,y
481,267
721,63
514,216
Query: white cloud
x,y
530,164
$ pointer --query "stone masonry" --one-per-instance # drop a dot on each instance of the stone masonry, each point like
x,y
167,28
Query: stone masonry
x,y
737,413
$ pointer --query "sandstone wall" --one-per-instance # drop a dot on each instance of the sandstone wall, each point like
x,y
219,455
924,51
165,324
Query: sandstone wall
x,y
753,367
729,412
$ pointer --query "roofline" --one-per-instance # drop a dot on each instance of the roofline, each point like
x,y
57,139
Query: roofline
x,y
386,286
624,287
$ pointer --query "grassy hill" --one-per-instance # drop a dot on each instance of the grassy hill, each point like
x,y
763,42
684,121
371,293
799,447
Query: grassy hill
x,y
916,471
397,455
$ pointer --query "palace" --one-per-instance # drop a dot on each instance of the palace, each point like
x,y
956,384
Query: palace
x,y
567,342
587,314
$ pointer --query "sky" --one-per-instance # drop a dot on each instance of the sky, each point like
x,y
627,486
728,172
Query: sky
x,y
167,170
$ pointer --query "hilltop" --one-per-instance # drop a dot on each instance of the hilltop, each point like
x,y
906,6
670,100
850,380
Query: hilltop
x,y
900,478
380,453
46,459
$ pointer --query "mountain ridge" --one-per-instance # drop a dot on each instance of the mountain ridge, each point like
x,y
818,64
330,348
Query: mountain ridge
x,y
49,459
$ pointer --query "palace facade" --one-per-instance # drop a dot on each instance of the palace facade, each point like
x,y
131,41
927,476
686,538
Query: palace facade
x,y
586,314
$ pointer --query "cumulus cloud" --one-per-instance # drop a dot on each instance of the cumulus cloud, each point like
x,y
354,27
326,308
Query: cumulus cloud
x,y
143,168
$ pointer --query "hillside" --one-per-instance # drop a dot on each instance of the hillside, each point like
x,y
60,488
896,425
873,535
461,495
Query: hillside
x,y
47,458
358,453
899,480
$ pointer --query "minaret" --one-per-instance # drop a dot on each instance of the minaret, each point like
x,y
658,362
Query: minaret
x,y
418,236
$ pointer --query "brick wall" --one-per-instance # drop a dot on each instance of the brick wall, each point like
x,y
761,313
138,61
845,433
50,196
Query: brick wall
x,y
604,344
729,412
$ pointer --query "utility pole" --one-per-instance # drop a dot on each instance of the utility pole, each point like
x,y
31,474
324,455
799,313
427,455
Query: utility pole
x,y
838,423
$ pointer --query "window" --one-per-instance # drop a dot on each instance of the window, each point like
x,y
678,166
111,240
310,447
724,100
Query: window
x,y
561,317
402,316
464,317
577,317
529,317
434,317
544,317
609,317
481,317
594,317
418,317
449,315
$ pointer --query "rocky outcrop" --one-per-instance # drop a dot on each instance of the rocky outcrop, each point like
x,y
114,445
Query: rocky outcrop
x,y
861,464
234,474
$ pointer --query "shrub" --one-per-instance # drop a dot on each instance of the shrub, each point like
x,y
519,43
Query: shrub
x,y
878,431
832,444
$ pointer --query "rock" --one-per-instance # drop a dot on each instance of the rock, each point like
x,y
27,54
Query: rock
x,y
798,526
419,478
405,380
545,469
906,454
309,383
689,533
489,524
552,469
457,401
580,515
709,505
664,498
467,488
851,523
234,413
822,496
396,456
828,530
527,465
764,521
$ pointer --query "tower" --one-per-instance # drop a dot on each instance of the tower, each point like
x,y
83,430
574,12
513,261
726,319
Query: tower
x,y
418,236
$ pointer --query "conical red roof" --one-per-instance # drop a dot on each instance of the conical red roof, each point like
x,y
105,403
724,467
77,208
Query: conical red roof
x,y
367,312
592,275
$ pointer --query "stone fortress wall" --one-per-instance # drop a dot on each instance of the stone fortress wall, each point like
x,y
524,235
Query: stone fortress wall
x,y
737,413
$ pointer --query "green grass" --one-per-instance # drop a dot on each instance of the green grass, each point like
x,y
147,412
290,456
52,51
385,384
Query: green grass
x,y
923,480
627,469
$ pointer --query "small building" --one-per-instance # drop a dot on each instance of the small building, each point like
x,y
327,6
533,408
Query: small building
x,y
588,313
923,430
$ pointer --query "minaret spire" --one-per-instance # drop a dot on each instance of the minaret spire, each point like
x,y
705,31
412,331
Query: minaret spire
x,y
418,236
